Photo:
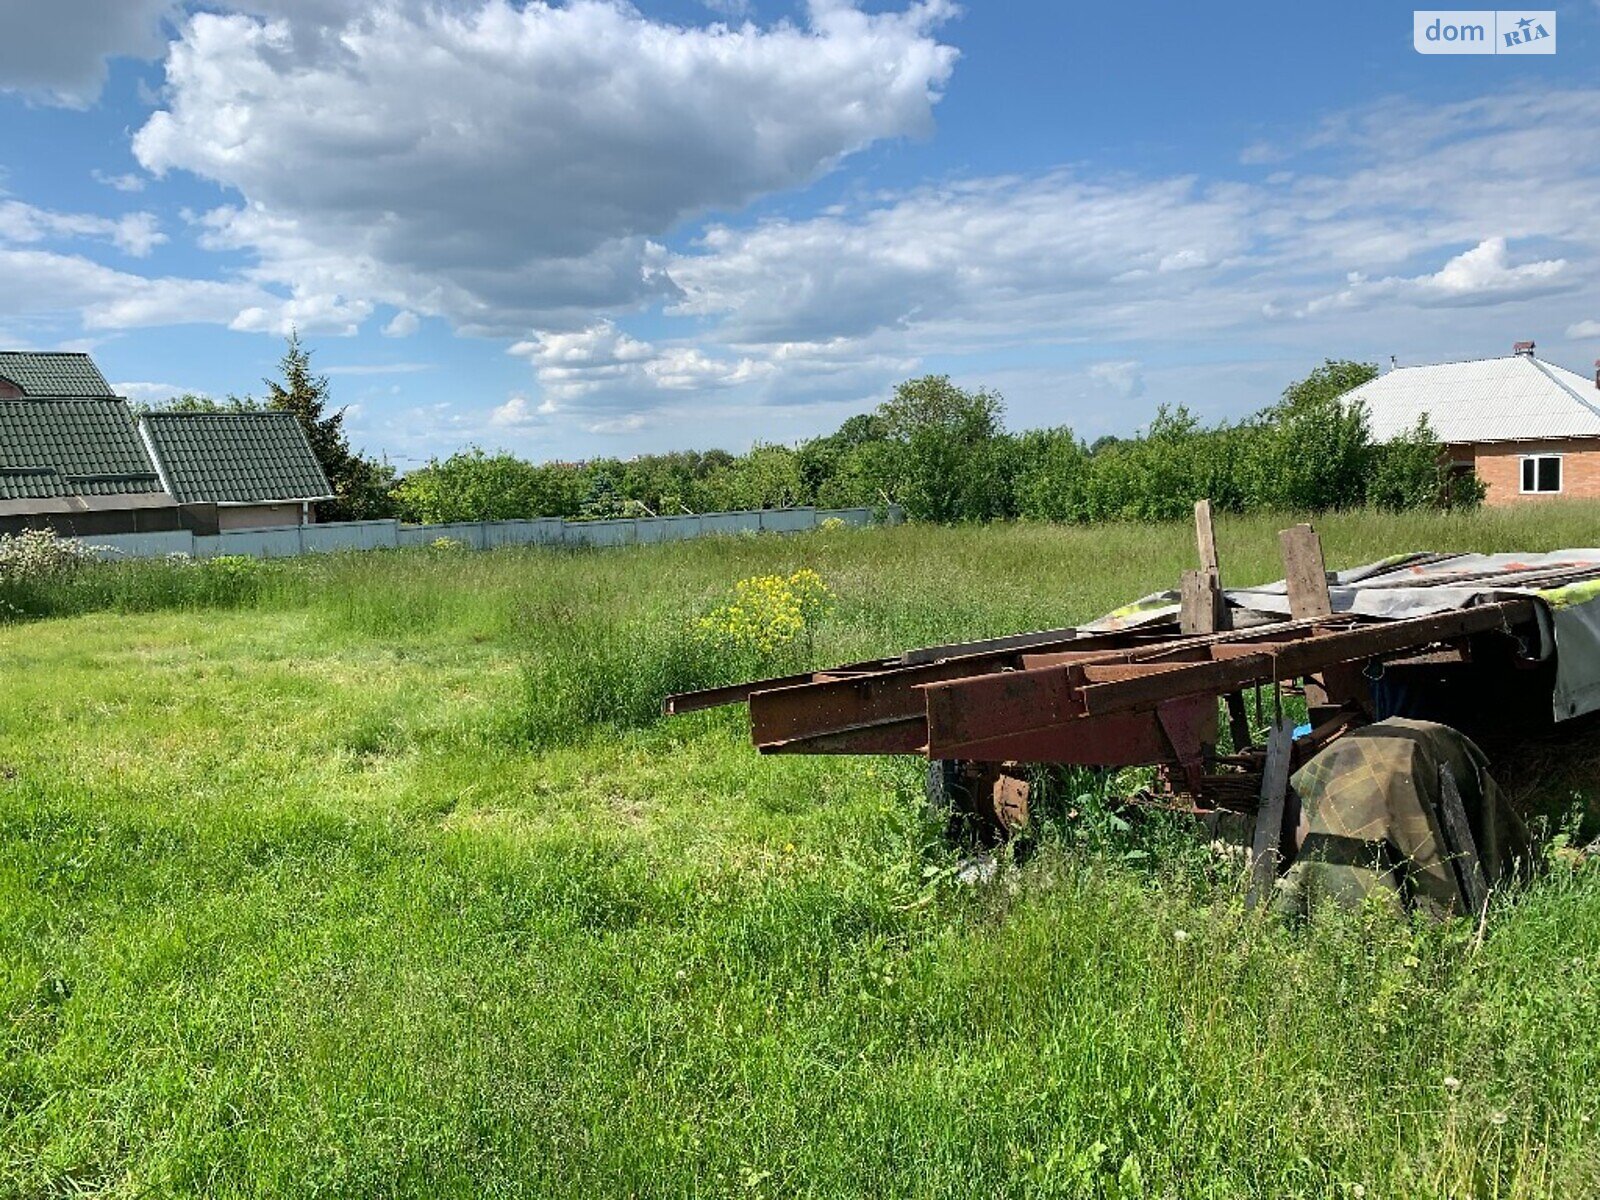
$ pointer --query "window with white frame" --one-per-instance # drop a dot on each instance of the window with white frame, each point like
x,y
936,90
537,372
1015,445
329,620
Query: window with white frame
x,y
1541,473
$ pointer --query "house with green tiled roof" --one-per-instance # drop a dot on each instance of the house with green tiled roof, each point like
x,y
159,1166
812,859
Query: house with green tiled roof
x,y
256,467
78,466
75,458
51,374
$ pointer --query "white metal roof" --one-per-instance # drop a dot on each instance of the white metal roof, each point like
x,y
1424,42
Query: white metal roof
x,y
1517,398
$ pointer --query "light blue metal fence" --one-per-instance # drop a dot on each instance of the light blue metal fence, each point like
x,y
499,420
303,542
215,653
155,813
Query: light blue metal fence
x,y
480,535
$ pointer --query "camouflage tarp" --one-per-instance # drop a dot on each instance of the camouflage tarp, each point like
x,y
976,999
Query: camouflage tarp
x,y
1371,826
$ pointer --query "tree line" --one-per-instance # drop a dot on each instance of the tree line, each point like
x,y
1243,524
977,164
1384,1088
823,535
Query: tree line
x,y
940,451
943,453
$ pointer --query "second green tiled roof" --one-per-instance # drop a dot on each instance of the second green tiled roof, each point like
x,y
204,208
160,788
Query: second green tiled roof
x,y
235,458
51,448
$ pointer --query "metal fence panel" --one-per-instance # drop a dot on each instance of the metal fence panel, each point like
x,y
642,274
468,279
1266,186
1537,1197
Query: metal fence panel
x,y
787,520
140,545
547,531
505,533
349,535
254,543
601,533
469,533
677,529
729,522
850,516
479,535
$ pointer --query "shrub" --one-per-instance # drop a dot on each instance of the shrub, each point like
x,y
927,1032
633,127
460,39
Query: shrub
x,y
35,565
1411,472
39,556
767,612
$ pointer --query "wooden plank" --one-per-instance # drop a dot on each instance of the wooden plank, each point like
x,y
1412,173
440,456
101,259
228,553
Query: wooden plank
x,y
1264,855
1197,607
1459,844
1206,538
1204,609
1221,618
1305,573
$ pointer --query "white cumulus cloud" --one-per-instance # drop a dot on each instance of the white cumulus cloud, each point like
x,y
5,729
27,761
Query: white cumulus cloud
x,y
403,324
553,145
1483,275
135,234
1124,377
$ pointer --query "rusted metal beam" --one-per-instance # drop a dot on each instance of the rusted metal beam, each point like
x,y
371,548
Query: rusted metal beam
x,y
1007,645
980,708
904,735
1120,740
1299,658
1010,704
877,669
787,714
738,693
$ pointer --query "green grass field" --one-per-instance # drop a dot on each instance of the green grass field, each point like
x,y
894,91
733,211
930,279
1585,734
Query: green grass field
x,y
377,876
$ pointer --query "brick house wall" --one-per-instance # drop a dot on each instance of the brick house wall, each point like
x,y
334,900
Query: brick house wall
x,y
258,516
1499,465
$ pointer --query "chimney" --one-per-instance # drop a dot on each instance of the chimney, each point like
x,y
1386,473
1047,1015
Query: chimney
x,y
1597,372
1525,349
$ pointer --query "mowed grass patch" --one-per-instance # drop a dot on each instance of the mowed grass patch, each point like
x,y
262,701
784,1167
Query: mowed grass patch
x,y
327,890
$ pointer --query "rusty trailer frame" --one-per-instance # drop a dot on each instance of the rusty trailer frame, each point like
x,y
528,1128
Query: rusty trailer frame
x,y
1107,700
1123,698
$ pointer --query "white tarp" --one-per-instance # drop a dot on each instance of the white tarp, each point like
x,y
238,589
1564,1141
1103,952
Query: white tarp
x,y
1412,585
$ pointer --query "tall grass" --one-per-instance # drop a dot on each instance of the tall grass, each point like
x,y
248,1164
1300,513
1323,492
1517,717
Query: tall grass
x,y
384,878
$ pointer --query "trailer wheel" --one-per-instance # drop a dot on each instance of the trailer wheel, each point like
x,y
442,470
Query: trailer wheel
x,y
946,788
982,802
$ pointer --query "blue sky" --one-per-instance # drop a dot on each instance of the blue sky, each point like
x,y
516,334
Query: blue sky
x,y
590,228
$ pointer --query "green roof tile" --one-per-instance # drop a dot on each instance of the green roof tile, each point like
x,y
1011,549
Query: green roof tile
x,y
237,458
71,448
55,373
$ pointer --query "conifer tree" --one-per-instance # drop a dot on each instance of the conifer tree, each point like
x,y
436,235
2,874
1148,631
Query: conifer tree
x,y
361,486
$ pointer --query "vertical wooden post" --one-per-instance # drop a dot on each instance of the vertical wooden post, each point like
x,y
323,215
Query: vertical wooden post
x,y
1206,536
1204,609
1305,573
1196,610
1269,816
1210,570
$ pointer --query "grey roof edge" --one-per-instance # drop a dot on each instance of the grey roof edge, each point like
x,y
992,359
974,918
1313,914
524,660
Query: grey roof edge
x,y
268,503
120,502
150,453
1460,362
1544,369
